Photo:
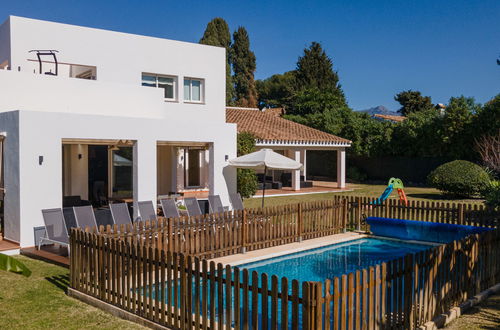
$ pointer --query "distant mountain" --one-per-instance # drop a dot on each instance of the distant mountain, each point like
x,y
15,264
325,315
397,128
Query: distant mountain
x,y
380,110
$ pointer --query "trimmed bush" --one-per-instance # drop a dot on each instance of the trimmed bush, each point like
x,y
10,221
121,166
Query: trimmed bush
x,y
492,195
246,178
460,178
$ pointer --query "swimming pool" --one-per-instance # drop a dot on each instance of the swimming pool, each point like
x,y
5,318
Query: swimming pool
x,y
334,260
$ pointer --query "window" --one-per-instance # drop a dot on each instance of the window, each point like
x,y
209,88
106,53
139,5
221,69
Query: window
x,y
193,90
167,83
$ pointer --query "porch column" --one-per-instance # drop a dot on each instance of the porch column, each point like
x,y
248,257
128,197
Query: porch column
x,y
303,160
296,173
144,168
341,168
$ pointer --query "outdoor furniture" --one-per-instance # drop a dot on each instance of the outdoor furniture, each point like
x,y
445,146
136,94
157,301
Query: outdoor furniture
x,y
103,217
236,202
120,213
192,206
55,228
169,208
277,185
215,204
85,216
69,218
70,201
147,211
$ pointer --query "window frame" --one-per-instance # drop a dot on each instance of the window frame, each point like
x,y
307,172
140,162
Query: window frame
x,y
202,90
156,76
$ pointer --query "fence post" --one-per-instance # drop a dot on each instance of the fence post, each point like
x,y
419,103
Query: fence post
x,y
299,222
312,305
358,203
460,214
345,211
244,232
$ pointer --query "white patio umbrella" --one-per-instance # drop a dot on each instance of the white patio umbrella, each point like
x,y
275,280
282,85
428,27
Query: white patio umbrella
x,y
265,159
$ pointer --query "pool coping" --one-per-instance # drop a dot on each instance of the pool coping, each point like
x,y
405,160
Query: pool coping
x,y
280,250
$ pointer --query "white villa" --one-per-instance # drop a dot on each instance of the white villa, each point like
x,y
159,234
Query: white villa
x,y
96,116
119,116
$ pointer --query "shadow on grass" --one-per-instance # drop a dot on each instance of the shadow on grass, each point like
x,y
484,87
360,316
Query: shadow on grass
x,y
484,316
431,196
60,281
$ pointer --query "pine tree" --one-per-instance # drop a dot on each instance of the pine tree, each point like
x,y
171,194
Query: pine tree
x,y
217,34
315,71
413,101
243,60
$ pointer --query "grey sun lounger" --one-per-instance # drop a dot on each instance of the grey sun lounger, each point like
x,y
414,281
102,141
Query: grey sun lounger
x,y
85,216
236,202
215,204
192,206
147,211
120,213
169,208
55,228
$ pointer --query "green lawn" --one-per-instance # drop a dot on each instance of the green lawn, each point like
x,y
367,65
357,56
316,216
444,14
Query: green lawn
x,y
40,302
413,193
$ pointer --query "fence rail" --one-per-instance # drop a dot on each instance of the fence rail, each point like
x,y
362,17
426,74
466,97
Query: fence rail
x,y
159,270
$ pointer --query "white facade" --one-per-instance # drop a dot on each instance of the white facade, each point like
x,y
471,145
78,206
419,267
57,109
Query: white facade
x,y
40,113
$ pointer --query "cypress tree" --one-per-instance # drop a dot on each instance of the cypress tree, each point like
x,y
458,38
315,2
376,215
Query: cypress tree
x,y
244,64
217,34
315,71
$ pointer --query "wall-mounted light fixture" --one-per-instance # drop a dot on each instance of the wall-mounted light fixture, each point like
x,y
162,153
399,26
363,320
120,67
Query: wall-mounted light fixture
x,y
40,160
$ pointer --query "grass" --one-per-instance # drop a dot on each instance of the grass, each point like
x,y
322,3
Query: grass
x,y
40,302
412,193
483,316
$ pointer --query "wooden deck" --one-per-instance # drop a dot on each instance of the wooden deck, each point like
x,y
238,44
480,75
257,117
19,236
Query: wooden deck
x,y
50,253
8,245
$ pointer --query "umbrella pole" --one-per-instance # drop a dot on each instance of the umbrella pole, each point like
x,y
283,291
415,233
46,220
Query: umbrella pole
x,y
264,186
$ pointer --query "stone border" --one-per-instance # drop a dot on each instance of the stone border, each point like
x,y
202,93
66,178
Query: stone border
x,y
113,310
455,312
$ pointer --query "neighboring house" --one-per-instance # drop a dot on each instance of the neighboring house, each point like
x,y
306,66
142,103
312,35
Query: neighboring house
x,y
120,116
391,118
290,138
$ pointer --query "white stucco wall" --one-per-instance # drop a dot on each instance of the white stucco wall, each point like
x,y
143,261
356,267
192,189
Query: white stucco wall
x,y
39,111
40,186
121,58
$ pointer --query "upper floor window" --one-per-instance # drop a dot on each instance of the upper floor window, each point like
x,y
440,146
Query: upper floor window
x,y
193,90
166,82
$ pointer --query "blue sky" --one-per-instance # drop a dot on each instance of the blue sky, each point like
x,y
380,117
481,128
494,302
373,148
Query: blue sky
x,y
442,48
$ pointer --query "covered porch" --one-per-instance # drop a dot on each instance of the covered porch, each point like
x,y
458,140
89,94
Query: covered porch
x,y
298,180
292,140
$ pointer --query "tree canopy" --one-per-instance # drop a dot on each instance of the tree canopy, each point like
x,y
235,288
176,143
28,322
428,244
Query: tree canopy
x,y
217,34
413,101
244,65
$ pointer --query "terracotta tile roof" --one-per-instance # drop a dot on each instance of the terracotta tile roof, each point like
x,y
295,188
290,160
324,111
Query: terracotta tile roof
x,y
391,118
268,126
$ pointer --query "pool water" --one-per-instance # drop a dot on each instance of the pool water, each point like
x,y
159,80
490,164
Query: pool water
x,y
334,260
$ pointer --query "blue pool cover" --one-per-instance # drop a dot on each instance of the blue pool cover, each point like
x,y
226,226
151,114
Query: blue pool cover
x,y
420,230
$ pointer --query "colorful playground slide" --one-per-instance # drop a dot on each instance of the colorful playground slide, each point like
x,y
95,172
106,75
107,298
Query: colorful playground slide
x,y
394,183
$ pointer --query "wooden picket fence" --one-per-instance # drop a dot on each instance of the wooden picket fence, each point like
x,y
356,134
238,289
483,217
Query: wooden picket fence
x,y
220,234
406,293
160,270
186,292
441,212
